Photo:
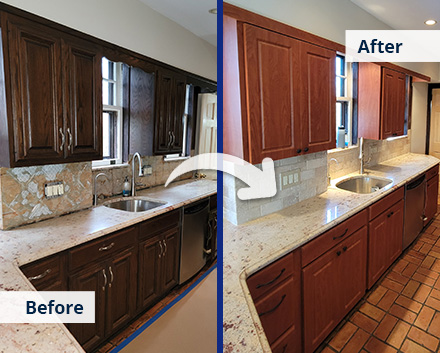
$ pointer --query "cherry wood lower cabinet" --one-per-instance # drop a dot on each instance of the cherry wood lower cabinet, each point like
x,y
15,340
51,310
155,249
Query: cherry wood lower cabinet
x,y
332,285
385,239
431,198
276,291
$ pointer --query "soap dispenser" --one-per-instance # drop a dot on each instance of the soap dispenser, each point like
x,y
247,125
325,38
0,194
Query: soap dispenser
x,y
126,187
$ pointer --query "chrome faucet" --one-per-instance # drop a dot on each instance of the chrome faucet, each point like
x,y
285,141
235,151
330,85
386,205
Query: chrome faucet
x,y
95,195
328,169
361,156
133,176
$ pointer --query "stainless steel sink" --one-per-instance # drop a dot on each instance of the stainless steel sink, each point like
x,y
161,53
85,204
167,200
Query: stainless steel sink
x,y
134,205
364,184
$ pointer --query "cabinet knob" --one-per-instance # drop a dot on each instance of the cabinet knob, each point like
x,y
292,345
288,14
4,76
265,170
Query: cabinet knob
x,y
338,252
306,149
344,248
298,150
395,134
390,214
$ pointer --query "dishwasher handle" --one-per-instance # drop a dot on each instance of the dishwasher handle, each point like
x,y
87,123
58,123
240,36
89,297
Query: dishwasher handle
x,y
415,183
193,209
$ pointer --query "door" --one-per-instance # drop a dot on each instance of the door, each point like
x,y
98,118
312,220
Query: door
x,y
93,278
434,134
121,292
83,90
318,110
272,64
170,259
149,271
37,97
207,118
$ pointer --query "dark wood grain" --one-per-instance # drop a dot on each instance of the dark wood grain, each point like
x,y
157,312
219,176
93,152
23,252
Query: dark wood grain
x,y
170,259
386,202
431,198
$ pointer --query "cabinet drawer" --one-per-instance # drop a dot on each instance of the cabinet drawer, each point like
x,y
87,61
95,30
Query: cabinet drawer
x,y
271,276
327,240
46,273
102,248
277,310
432,172
156,224
213,202
382,205
287,343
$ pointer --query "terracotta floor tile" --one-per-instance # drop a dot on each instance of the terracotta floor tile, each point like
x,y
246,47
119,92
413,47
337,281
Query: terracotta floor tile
x,y
397,277
433,303
403,313
356,342
434,328
398,334
412,347
423,279
385,327
411,288
387,300
424,318
409,304
436,265
418,245
376,295
327,350
428,262
375,346
410,270
364,322
434,254
387,283
372,311
105,349
435,293
425,248
416,254
422,293
400,266
437,284
341,338
428,273
423,338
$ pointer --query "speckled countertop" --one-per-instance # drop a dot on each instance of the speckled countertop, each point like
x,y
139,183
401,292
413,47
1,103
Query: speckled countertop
x,y
255,244
29,243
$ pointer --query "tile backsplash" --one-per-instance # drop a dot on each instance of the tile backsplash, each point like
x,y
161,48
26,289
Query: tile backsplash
x,y
22,192
312,172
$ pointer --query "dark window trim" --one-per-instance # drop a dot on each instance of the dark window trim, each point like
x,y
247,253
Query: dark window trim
x,y
431,86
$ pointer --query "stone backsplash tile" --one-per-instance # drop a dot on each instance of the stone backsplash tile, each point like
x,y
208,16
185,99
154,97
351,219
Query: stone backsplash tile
x,y
22,192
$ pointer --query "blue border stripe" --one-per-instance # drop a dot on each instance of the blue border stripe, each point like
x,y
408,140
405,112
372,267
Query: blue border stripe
x,y
160,313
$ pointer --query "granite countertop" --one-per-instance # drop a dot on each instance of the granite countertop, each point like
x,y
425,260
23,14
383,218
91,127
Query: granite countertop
x,y
255,244
32,242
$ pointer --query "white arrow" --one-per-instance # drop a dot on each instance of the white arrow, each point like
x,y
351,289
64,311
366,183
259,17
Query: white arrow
x,y
261,182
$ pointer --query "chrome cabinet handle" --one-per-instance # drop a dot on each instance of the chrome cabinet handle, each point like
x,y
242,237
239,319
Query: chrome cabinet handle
x,y
63,139
174,138
104,248
105,280
70,138
166,247
111,277
170,139
40,276
161,248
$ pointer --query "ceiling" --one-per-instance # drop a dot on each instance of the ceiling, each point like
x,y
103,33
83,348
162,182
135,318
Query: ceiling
x,y
190,14
403,14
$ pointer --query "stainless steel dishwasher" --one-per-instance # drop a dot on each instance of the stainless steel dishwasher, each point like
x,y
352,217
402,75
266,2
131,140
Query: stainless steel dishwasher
x,y
194,232
415,195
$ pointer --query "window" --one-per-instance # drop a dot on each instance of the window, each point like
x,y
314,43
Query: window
x,y
344,102
112,113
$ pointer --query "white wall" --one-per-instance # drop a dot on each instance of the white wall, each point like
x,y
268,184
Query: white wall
x,y
328,19
419,111
132,25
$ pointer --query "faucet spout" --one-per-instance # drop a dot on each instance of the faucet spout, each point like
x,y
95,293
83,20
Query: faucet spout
x,y
95,195
361,155
133,176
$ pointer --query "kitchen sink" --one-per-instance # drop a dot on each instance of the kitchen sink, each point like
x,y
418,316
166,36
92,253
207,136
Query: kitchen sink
x,y
134,205
364,184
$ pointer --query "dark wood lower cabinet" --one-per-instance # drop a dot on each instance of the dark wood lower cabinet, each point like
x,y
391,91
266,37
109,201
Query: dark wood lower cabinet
x,y
431,198
170,259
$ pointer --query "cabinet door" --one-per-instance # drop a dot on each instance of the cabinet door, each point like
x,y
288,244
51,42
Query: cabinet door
x,y
91,279
272,64
150,253
170,259
395,230
393,103
318,104
176,120
37,100
121,292
321,296
400,102
164,111
431,198
83,92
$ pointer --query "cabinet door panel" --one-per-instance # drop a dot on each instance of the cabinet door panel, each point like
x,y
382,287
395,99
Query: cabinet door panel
x,y
272,67
121,298
388,101
176,122
91,279
37,101
396,232
84,93
170,259
377,254
164,108
431,198
399,115
319,97
149,271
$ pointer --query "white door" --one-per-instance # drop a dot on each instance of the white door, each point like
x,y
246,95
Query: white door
x,y
207,118
434,140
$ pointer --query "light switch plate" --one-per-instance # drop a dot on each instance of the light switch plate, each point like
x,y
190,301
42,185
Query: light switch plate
x,y
289,179
53,189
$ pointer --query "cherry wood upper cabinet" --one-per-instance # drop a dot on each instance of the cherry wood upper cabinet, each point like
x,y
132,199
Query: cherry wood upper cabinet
x,y
381,102
280,95
35,92
272,72
318,100
83,91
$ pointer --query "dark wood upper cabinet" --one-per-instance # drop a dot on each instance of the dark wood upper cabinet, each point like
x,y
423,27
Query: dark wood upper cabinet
x,y
381,102
170,107
285,97
83,91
